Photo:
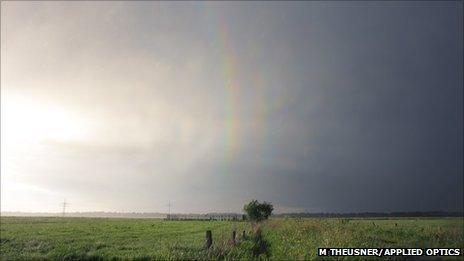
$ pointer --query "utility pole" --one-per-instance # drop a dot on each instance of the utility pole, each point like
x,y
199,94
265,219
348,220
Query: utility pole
x,y
64,206
169,206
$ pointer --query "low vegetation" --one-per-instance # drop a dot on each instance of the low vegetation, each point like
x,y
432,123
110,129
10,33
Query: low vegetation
x,y
144,239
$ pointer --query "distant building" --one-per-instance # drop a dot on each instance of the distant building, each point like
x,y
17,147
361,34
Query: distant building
x,y
209,216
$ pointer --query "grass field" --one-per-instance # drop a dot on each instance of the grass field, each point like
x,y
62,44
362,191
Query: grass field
x,y
145,239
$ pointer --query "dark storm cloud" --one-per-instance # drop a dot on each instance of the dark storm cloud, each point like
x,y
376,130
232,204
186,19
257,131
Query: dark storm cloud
x,y
375,122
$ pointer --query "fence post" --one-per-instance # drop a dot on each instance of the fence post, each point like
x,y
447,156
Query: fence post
x,y
209,239
244,234
233,237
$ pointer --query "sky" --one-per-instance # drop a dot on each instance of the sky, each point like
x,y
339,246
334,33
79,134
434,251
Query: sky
x,y
313,106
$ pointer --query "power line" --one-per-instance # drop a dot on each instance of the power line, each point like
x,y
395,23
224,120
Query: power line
x,y
64,204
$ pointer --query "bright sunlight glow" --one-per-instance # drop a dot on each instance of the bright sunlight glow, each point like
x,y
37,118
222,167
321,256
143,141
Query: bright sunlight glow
x,y
26,122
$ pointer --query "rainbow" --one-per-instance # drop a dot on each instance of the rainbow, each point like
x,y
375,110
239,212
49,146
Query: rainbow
x,y
232,89
232,136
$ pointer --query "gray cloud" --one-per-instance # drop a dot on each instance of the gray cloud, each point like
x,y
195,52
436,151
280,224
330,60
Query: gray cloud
x,y
313,106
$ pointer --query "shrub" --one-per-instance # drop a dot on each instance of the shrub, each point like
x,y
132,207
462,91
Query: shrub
x,y
258,211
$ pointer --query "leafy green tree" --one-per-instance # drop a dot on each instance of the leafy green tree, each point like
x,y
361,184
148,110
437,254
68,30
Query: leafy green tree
x,y
258,211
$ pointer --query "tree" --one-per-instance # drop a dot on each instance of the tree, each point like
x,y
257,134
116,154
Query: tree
x,y
258,211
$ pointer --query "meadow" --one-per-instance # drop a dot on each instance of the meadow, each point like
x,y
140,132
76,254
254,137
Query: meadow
x,y
40,238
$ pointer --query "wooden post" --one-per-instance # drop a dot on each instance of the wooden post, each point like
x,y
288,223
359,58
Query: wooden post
x,y
233,237
244,234
209,239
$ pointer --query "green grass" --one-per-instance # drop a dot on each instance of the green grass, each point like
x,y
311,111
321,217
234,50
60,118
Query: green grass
x,y
145,239
293,238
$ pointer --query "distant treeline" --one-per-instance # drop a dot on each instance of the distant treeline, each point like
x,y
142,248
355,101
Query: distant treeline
x,y
87,214
373,214
289,215
102,214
